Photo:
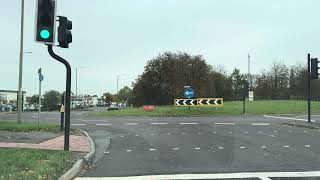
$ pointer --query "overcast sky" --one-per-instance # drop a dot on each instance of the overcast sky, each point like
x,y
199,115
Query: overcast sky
x,y
118,37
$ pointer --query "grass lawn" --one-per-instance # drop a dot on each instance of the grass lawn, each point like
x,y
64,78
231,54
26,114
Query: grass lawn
x,y
13,126
229,108
33,164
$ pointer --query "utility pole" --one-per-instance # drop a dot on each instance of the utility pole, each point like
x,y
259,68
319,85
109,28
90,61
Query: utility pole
x,y
117,84
309,89
249,74
20,106
76,82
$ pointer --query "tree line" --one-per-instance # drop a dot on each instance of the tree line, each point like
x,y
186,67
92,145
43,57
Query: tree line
x,y
165,76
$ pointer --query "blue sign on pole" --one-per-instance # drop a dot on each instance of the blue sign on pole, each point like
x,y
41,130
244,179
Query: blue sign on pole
x,y
188,92
40,77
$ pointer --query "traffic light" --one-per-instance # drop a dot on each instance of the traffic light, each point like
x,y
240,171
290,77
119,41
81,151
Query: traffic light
x,y
45,21
64,32
314,68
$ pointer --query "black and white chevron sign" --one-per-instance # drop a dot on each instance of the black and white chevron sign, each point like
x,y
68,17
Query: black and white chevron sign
x,y
185,102
210,101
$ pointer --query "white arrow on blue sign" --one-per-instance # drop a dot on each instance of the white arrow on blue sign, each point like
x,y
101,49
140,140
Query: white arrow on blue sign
x,y
41,77
188,92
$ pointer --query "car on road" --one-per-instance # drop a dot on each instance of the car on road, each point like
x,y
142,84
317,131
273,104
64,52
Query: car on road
x,y
113,107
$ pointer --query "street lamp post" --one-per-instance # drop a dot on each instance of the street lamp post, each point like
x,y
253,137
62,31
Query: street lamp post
x,y
20,106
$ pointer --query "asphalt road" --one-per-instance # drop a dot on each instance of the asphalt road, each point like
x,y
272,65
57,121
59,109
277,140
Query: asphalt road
x,y
129,146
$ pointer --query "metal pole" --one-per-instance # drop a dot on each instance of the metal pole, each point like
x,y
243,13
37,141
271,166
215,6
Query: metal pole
x,y
62,114
76,82
244,105
117,84
67,96
20,106
39,108
249,78
309,90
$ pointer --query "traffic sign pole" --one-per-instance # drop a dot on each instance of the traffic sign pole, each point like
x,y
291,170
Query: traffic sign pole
x,y
39,108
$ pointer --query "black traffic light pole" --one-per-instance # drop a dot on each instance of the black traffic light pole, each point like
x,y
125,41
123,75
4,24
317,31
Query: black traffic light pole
x,y
309,89
67,96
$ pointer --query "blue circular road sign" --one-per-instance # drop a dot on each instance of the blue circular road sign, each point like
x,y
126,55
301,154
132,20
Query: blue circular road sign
x,y
41,77
188,92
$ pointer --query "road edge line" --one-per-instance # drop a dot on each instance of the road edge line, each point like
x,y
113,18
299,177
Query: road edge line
x,y
78,165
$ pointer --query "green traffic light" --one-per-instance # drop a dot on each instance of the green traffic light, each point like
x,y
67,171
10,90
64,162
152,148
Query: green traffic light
x,y
44,34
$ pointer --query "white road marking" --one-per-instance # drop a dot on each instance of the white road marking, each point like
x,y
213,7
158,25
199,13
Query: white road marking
x,y
272,135
152,149
188,123
230,132
307,146
263,147
289,131
286,146
214,132
260,124
260,175
152,134
131,124
183,133
175,149
78,124
137,135
107,124
276,117
275,131
106,152
196,148
232,124
92,120
158,123
220,147
51,118
246,132
242,147
264,178
305,131
122,136
199,133
128,150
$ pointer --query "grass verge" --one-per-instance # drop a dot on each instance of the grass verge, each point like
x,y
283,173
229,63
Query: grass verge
x,y
30,164
229,108
13,126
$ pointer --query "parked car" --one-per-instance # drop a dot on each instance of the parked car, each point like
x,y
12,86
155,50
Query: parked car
x,y
113,107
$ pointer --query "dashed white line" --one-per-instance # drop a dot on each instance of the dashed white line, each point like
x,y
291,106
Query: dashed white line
x,y
287,118
307,146
188,123
78,124
158,123
175,149
289,131
153,134
286,146
246,132
220,147
103,124
137,135
260,124
169,133
197,148
230,132
275,131
131,124
232,124
122,136
305,131
242,147
152,149
263,147
214,132
128,150
272,135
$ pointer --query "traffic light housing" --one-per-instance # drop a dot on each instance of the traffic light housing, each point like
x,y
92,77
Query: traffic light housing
x,y
64,32
314,68
45,21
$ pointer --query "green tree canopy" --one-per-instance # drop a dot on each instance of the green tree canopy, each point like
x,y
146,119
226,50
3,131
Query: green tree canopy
x,y
51,100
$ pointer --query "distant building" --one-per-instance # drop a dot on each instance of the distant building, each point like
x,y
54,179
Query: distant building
x,y
11,97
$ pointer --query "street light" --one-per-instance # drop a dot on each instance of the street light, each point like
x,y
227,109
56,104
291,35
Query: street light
x,y
81,67
19,106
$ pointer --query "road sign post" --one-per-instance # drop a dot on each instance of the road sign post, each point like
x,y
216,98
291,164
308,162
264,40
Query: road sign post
x,y
62,110
39,105
188,93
